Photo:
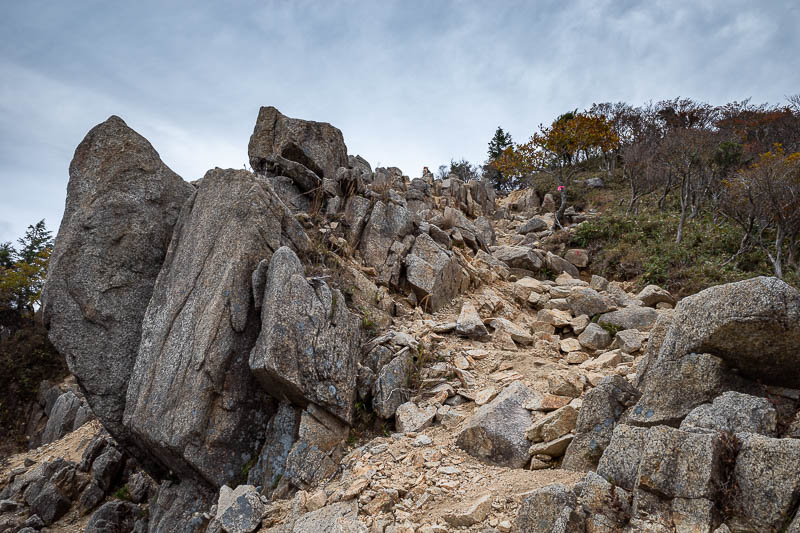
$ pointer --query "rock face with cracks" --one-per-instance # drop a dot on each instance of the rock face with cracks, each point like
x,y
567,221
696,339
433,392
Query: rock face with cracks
x,y
122,205
316,145
309,343
192,398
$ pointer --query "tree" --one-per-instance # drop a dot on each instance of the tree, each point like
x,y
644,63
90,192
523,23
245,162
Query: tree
x,y
764,199
560,150
463,170
23,271
499,143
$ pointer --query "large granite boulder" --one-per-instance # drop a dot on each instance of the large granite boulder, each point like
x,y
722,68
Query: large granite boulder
x,y
316,145
602,408
753,325
434,274
496,432
122,205
309,344
192,399
386,228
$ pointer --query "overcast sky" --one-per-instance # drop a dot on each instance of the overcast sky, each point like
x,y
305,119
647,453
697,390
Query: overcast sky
x,y
409,83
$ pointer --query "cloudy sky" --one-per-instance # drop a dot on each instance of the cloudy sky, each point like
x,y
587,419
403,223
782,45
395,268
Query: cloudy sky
x,y
409,83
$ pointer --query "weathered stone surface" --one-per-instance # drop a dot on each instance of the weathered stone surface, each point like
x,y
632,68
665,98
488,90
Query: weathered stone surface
x,y
113,517
106,467
620,461
673,388
336,518
386,224
410,417
602,408
641,318
654,341
587,301
239,510
469,323
653,294
122,204
553,425
50,503
532,225
542,509
281,433
177,507
517,333
627,341
433,273
736,413
391,389
519,257
62,417
316,145
496,432
767,473
607,505
679,464
475,513
553,448
192,398
304,179
578,257
753,325
309,343
559,265
594,337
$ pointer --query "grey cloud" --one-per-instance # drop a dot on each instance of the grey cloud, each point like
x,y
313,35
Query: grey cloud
x,y
409,83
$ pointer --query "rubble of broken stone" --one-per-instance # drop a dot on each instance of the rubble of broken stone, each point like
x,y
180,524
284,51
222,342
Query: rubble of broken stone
x,y
227,368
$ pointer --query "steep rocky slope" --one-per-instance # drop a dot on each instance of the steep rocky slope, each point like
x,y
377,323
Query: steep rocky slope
x,y
320,346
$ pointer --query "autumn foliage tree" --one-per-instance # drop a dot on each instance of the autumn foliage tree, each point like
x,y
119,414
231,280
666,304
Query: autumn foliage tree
x,y
560,150
764,199
23,270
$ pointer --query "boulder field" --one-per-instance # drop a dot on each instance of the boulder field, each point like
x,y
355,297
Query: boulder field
x,y
317,345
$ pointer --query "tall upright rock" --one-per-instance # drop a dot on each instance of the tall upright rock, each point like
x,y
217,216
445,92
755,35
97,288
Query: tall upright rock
x,y
122,204
192,399
316,145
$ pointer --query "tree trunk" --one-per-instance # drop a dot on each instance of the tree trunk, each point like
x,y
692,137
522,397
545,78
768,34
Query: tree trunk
x,y
562,208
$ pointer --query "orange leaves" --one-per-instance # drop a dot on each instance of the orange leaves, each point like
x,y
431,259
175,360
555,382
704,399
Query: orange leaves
x,y
569,139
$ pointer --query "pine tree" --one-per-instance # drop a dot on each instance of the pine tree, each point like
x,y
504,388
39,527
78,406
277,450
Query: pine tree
x,y
499,142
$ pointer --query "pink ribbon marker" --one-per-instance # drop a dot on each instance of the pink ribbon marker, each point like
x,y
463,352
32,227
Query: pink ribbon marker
x,y
560,187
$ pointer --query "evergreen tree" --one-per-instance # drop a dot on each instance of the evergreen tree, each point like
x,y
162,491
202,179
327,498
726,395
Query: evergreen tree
x,y
499,142
36,239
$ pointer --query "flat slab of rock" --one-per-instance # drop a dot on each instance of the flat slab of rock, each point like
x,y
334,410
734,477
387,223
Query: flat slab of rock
x,y
475,513
410,417
496,432
308,347
641,318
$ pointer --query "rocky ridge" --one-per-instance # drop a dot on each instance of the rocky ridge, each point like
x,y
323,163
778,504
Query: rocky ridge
x,y
273,312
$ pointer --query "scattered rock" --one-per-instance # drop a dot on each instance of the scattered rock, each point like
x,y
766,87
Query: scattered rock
x,y
411,418
239,510
469,323
496,432
475,513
